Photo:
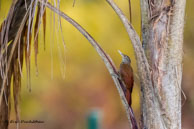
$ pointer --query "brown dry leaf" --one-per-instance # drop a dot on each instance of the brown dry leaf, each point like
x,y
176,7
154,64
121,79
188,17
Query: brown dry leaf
x,y
36,30
27,55
44,27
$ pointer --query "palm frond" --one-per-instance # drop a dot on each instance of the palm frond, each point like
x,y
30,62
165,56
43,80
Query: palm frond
x,y
15,45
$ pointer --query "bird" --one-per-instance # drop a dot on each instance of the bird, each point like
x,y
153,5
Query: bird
x,y
126,75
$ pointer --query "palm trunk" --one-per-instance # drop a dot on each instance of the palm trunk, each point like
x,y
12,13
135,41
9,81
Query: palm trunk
x,y
162,32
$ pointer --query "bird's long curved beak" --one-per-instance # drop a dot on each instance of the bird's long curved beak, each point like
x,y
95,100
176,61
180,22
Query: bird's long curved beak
x,y
121,53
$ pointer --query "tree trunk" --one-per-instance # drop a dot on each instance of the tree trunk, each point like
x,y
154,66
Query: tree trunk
x,y
162,32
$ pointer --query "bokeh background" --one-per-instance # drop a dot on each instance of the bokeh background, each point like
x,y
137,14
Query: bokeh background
x,y
72,82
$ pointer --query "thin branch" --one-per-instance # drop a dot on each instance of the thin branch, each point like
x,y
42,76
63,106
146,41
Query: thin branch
x,y
145,18
107,60
150,107
139,52
130,11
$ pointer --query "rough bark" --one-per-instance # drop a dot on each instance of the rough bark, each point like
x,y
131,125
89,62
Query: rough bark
x,y
162,32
